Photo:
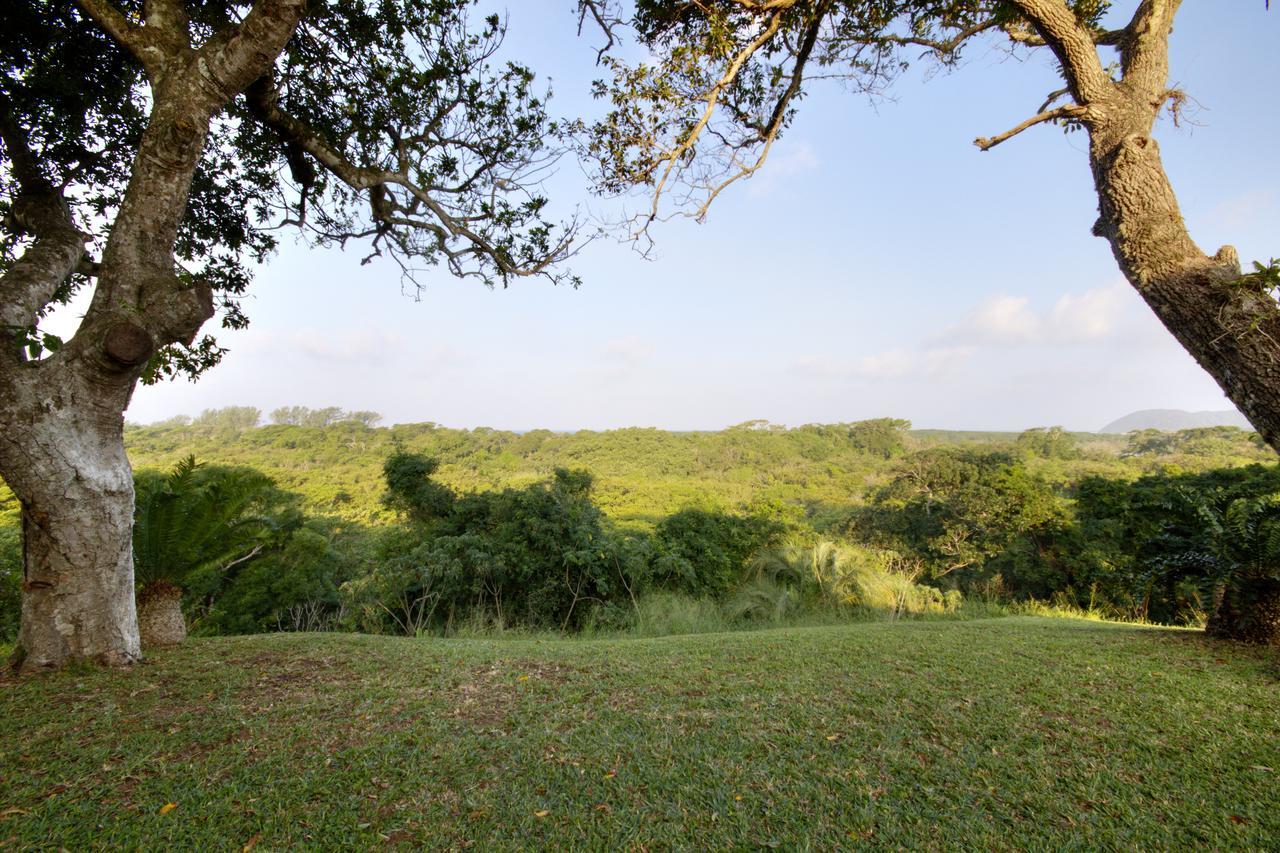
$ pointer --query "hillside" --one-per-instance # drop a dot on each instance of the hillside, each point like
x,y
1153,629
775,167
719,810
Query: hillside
x,y
641,474
1172,420
1017,733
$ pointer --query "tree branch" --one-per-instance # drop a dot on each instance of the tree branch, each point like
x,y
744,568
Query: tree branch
x,y
674,157
132,38
239,55
1144,45
40,211
946,48
1071,43
263,102
1072,111
263,99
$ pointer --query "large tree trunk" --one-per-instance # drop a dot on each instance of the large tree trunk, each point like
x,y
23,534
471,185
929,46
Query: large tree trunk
x,y
66,464
1232,331
62,417
1230,327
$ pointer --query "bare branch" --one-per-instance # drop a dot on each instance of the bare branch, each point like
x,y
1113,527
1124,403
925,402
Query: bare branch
x,y
1070,111
607,21
1053,96
948,47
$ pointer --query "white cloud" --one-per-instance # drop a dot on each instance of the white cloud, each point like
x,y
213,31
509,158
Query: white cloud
x,y
1002,320
1091,316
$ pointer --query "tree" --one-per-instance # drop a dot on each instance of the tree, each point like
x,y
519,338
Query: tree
x,y
231,418
302,416
727,76
150,150
1046,442
958,509
533,556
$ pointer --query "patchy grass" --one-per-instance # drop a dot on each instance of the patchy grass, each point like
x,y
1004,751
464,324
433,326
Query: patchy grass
x,y
1022,732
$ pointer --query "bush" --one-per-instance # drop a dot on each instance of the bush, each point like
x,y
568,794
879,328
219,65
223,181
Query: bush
x,y
292,589
535,557
703,553
788,582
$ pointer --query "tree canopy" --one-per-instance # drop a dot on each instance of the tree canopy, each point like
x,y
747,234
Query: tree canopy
x,y
388,125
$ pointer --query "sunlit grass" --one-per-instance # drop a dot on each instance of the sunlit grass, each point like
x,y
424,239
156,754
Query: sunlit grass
x,y
1021,732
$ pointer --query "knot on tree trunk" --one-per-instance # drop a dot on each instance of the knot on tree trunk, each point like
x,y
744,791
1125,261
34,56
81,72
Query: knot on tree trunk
x,y
1227,256
1140,142
128,344
39,212
177,312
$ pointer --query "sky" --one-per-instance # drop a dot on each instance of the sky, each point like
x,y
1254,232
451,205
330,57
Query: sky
x,y
879,266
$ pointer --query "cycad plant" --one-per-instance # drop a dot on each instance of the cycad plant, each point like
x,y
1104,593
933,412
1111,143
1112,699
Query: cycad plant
x,y
191,526
1242,541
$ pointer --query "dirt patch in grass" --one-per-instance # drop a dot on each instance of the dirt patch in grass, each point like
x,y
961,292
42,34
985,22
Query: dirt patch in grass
x,y
487,694
280,677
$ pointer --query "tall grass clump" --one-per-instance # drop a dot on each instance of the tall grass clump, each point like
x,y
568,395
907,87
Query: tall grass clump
x,y
659,613
785,583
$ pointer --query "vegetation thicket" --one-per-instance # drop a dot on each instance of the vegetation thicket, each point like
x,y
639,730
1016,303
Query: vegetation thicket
x,y
424,529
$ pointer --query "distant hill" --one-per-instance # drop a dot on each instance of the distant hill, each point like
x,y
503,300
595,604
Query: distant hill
x,y
1172,420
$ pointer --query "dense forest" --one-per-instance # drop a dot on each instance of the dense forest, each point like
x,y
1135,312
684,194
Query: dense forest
x,y
324,520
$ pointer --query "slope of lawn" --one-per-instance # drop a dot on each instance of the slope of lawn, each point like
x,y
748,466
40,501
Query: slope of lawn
x,y
1007,733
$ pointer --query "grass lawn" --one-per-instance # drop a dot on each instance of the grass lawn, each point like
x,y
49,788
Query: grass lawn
x,y
1021,732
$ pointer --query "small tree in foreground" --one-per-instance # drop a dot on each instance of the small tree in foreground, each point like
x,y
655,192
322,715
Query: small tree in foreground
x,y
1241,542
148,151
193,526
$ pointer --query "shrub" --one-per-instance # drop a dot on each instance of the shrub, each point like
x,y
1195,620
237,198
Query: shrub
x,y
704,553
534,557
292,588
787,582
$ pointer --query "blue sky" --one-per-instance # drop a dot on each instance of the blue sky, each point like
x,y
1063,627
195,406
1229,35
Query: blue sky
x,y
880,265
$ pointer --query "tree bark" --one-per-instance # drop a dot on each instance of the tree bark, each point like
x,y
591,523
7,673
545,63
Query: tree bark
x,y
1232,331
65,462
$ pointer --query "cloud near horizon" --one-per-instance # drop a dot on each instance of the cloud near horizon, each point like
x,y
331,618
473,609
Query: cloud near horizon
x,y
997,324
1004,320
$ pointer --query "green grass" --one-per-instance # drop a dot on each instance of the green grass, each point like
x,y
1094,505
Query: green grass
x,y
1022,732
